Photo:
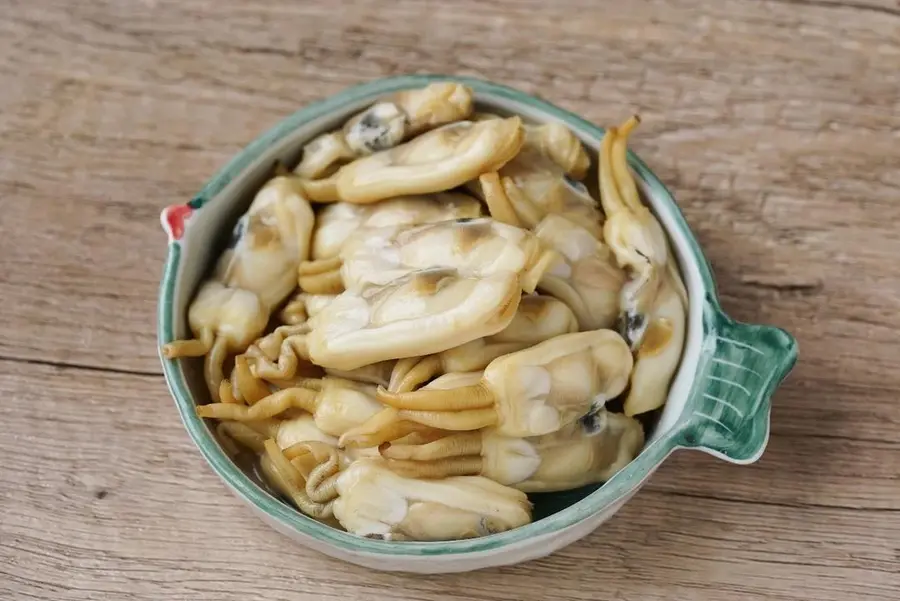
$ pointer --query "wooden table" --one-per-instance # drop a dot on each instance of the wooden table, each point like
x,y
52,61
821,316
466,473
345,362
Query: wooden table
x,y
777,124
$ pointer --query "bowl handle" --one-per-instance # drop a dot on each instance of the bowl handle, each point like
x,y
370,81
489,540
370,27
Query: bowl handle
x,y
741,365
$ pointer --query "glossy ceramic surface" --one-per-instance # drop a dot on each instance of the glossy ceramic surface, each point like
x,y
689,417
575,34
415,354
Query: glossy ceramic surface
x,y
719,401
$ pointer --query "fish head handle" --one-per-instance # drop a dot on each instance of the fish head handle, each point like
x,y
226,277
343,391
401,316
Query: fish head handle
x,y
741,365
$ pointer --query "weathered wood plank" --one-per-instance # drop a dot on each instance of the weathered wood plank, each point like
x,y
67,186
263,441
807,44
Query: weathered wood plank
x,y
775,123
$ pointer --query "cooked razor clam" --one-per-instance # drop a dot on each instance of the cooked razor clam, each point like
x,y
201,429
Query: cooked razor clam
x,y
368,499
322,278
557,142
244,387
388,426
338,221
489,188
424,312
588,280
569,458
554,141
658,356
531,392
251,278
286,433
631,231
385,124
535,188
223,320
243,434
294,433
335,404
536,183
258,436
306,306
539,318
270,347
375,373
303,306
288,479
436,161
300,428
653,302
474,247
437,104
596,456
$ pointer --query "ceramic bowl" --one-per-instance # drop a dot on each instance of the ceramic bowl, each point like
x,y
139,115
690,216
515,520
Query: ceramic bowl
x,y
719,401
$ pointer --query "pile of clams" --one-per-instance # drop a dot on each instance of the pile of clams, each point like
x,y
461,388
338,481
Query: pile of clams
x,y
426,319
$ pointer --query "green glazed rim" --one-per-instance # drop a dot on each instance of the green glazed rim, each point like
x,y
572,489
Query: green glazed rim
x,y
726,412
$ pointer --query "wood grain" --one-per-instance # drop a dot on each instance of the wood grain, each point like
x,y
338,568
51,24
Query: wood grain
x,y
776,124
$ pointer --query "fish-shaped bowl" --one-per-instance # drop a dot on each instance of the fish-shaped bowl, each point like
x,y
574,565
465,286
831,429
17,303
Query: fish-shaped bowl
x,y
719,400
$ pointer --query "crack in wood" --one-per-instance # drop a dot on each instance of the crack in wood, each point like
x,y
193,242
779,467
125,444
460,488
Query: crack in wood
x,y
884,10
675,493
808,287
64,365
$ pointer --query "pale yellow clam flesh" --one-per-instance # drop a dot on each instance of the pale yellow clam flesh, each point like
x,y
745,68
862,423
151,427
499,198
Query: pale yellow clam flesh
x,y
571,457
374,373
336,405
251,278
388,426
658,356
435,161
583,458
386,124
588,279
421,313
553,141
302,429
653,302
531,392
368,499
538,318
474,247
537,182
303,306
336,222
374,501
631,231
557,142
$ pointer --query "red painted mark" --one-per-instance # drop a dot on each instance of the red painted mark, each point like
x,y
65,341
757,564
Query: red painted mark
x,y
174,219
